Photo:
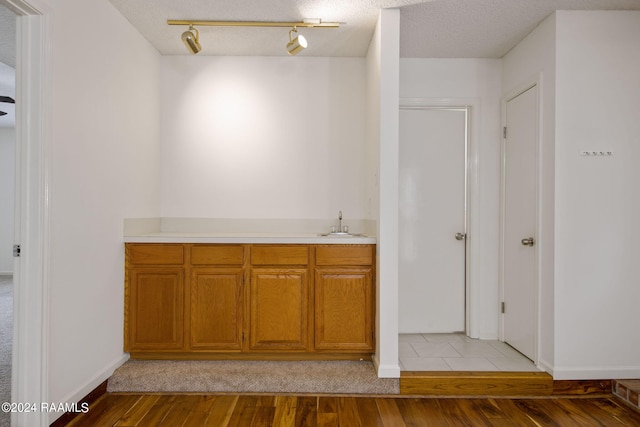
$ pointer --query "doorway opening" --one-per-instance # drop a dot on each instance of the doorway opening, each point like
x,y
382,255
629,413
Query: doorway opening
x,y
519,222
30,305
7,196
433,219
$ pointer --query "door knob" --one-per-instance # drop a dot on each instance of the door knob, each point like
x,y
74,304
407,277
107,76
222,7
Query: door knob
x,y
528,241
461,236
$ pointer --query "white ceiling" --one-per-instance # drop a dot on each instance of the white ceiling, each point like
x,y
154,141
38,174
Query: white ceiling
x,y
481,28
429,29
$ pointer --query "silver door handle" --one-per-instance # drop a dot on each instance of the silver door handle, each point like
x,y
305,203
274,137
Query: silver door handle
x,y
530,241
461,236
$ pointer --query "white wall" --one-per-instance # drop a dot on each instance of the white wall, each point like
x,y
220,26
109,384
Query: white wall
x,y
588,64
104,167
477,83
263,137
597,199
7,194
383,73
534,61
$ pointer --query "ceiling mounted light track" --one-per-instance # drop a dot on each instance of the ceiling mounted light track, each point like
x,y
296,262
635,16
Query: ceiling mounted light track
x,y
307,23
294,46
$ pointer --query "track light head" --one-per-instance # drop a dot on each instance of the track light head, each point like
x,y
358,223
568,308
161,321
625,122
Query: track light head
x,y
296,45
191,39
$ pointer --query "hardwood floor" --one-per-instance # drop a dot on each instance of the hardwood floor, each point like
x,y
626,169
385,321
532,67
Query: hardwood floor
x,y
508,384
187,410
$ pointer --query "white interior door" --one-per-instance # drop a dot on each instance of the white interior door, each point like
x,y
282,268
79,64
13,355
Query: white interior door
x,y
432,203
519,227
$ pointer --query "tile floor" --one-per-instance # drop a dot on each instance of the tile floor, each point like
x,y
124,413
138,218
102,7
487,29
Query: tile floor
x,y
457,352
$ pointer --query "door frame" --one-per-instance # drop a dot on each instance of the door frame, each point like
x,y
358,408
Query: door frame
x,y
472,247
519,90
31,270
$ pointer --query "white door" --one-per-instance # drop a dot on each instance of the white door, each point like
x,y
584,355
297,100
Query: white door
x,y
519,226
432,202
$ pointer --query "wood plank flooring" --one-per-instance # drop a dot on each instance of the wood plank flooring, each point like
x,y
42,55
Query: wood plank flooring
x,y
456,383
115,409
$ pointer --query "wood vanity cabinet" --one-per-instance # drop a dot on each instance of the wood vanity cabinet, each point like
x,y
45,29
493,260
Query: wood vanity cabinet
x,y
154,295
344,304
279,295
215,297
249,300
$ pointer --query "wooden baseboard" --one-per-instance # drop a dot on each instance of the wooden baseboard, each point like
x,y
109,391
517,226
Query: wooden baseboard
x,y
93,395
581,387
476,383
508,384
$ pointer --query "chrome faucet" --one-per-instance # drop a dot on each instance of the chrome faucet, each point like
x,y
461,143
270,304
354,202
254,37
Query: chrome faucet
x,y
340,222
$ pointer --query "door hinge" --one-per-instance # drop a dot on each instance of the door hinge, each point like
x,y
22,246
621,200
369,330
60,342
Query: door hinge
x,y
504,132
16,251
502,307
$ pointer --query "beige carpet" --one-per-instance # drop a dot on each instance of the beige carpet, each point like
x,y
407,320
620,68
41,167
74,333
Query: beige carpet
x,y
322,377
6,341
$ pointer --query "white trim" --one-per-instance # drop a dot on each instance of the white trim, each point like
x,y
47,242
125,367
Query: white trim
x,y
536,82
545,366
472,107
596,373
31,304
81,392
21,8
385,371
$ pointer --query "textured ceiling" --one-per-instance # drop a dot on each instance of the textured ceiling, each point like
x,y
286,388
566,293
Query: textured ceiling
x,y
430,29
481,28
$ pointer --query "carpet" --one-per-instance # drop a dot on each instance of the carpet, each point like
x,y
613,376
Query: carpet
x,y
235,376
6,342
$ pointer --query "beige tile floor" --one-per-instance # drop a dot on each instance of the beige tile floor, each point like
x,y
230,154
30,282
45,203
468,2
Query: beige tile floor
x,y
457,352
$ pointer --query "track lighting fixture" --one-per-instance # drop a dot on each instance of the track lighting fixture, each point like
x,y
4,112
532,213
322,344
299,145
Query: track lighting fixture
x,y
192,40
296,45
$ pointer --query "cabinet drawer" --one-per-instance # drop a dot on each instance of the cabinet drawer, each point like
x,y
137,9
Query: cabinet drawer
x,y
217,255
152,254
279,255
344,255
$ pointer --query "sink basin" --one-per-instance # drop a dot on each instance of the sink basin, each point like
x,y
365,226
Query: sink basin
x,y
342,234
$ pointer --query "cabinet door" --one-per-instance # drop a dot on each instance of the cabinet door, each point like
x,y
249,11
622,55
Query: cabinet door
x,y
216,309
279,308
155,310
343,309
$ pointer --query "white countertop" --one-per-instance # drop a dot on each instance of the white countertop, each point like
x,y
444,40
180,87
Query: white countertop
x,y
300,238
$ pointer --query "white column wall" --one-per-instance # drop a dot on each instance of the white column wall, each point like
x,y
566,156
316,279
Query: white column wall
x,y
383,70
103,168
597,198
